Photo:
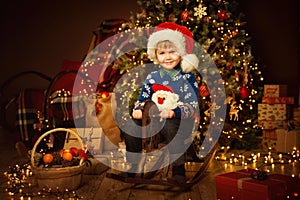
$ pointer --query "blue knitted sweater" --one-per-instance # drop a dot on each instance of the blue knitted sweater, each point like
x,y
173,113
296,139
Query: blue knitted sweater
x,y
183,84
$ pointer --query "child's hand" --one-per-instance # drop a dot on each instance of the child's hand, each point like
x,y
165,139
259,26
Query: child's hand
x,y
137,114
166,114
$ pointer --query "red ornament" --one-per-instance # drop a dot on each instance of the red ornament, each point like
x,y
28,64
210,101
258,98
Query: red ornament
x,y
185,16
229,65
83,155
104,94
203,91
244,93
222,14
74,151
234,33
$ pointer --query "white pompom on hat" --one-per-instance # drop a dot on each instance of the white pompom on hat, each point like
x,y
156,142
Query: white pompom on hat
x,y
181,37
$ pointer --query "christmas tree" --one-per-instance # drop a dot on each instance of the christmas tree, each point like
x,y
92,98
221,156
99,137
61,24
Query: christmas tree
x,y
218,28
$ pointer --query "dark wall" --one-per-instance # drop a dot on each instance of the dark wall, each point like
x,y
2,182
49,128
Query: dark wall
x,y
38,35
273,27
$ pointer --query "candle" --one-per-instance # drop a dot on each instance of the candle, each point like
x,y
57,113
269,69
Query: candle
x,y
282,169
273,167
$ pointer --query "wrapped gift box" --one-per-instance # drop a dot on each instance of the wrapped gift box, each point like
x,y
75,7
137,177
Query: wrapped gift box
x,y
278,100
274,124
287,140
296,114
272,112
275,90
239,185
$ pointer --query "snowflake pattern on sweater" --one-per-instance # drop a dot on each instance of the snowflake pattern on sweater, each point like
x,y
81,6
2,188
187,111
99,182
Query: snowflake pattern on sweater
x,y
183,84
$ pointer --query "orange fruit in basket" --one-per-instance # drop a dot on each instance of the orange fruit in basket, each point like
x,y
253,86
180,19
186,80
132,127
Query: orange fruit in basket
x,y
48,158
67,155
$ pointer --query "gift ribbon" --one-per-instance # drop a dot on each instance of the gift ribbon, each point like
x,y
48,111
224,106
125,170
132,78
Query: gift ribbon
x,y
240,182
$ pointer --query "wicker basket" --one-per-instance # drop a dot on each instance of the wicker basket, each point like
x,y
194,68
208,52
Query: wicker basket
x,y
57,178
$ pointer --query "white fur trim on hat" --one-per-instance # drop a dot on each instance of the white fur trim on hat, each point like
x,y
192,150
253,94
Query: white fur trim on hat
x,y
189,62
175,37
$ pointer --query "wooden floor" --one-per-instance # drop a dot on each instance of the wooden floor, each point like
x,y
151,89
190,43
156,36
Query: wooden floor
x,y
95,185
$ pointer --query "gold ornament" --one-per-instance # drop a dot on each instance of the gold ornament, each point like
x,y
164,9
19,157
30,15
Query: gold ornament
x,y
210,112
233,112
200,11
172,17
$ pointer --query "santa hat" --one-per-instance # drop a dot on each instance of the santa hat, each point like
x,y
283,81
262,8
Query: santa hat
x,y
181,37
157,87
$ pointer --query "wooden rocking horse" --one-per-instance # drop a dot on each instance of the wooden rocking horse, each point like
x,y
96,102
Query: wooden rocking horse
x,y
151,143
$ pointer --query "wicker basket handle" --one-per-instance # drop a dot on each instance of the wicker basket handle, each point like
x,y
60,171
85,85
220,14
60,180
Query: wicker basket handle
x,y
49,132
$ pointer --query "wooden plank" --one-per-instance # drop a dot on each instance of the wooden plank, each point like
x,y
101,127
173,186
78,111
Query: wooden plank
x,y
149,192
111,189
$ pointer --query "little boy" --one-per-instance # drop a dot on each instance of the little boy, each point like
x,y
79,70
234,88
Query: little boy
x,y
174,90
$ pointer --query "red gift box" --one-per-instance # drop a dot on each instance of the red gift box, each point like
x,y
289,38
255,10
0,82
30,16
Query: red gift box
x,y
240,186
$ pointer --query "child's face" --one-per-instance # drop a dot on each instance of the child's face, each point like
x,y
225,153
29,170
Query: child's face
x,y
167,57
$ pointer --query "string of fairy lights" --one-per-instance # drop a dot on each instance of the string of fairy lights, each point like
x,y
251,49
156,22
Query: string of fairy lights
x,y
268,161
22,185
236,65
